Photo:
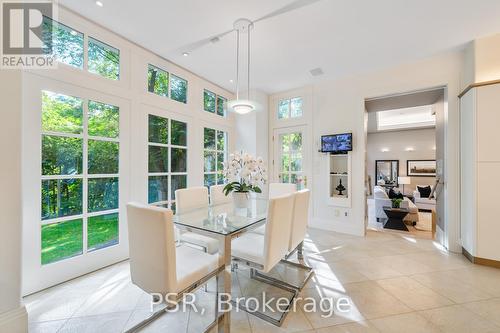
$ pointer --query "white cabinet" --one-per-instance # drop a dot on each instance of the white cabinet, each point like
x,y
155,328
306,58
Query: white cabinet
x,y
339,180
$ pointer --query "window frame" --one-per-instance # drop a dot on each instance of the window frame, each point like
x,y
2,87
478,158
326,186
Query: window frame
x,y
216,104
170,202
97,41
289,113
217,151
85,176
170,76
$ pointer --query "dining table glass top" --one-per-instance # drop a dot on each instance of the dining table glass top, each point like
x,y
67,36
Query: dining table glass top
x,y
224,219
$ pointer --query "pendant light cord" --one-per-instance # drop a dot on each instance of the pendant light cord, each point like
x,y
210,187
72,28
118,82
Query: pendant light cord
x,y
237,64
248,75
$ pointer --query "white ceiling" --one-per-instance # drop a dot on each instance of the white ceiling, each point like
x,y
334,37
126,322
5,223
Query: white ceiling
x,y
343,37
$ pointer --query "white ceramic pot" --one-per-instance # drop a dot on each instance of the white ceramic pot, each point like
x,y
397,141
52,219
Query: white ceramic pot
x,y
241,199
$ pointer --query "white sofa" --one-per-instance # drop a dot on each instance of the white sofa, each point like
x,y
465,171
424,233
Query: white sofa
x,y
382,200
424,203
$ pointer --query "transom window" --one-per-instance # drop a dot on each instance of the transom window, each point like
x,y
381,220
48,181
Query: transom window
x,y
80,176
104,59
167,166
290,108
67,43
67,48
214,103
162,83
215,153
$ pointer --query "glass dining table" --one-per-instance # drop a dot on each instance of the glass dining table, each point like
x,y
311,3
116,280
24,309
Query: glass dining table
x,y
224,222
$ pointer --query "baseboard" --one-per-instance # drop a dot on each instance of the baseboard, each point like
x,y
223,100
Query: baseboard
x,y
336,226
480,261
14,321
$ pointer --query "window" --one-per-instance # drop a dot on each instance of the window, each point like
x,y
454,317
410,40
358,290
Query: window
x,y
78,193
290,108
178,89
157,81
167,165
67,47
214,153
161,83
214,103
291,159
67,43
103,59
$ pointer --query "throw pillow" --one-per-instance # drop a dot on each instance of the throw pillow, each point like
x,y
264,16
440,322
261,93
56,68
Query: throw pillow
x,y
395,195
424,191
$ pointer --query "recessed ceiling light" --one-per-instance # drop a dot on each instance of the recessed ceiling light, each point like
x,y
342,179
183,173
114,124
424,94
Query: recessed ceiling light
x,y
316,71
231,81
99,3
384,150
185,54
409,149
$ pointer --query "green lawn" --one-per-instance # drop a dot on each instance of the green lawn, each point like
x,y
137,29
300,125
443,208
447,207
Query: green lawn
x,y
64,240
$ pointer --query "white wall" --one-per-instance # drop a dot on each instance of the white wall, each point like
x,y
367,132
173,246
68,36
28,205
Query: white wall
x,y
13,317
130,94
253,130
339,106
422,142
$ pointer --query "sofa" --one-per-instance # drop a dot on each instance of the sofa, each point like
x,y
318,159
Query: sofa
x,y
423,203
382,200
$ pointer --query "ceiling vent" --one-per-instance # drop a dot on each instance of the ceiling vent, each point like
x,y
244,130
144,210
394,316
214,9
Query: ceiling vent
x,y
316,71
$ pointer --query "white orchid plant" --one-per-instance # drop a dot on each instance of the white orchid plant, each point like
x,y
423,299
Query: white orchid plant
x,y
244,173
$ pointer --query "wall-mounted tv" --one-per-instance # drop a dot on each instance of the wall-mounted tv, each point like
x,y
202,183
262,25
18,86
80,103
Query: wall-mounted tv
x,y
336,143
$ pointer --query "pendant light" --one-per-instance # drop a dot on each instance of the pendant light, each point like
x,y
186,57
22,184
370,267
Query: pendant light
x,y
242,106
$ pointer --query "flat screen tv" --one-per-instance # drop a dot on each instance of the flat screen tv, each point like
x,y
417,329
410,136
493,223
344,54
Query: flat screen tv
x,y
336,143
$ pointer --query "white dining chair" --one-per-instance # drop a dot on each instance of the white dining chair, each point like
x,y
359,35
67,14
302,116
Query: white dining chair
x,y
279,189
190,199
157,265
262,252
297,236
276,190
217,195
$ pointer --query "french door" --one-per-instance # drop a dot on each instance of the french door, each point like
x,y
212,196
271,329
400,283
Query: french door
x,y
291,162
76,183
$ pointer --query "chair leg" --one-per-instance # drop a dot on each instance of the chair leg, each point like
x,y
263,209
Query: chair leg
x,y
254,274
206,285
300,255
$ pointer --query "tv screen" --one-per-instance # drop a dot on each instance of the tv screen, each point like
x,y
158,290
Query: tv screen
x,y
336,143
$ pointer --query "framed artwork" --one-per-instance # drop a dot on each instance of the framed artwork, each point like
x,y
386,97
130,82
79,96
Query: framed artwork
x,y
421,168
387,171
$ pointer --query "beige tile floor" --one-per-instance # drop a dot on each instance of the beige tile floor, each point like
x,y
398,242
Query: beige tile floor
x,y
396,283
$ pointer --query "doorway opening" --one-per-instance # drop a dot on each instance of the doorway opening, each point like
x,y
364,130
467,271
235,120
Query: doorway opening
x,y
405,149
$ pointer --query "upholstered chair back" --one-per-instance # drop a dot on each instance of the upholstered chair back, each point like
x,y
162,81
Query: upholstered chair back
x,y
300,218
278,228
217,196
151,248
191,198
279,189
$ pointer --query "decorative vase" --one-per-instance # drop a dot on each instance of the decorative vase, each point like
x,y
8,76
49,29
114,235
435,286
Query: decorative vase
x,y
241,199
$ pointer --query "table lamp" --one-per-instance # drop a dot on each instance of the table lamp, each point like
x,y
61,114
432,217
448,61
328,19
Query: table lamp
x,y
404,181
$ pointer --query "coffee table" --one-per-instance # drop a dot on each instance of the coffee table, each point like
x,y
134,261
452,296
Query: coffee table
x,y
395,218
